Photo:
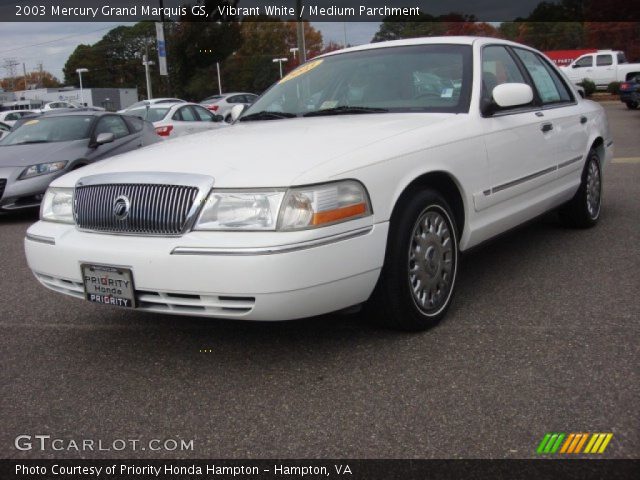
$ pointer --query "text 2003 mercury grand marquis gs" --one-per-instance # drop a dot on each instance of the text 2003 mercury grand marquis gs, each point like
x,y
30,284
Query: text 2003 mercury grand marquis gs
x,y
359,177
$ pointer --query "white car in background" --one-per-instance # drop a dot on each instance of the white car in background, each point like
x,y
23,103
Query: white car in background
x,y
367,198
153,101
222,104
173,120
12,116
4,130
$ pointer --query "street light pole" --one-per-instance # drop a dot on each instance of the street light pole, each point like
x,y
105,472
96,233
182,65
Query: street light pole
x,y
146,64
219,81
80,71
280,60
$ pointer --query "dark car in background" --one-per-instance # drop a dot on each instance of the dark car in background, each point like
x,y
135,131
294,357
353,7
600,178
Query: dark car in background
x,y
630,92
44,147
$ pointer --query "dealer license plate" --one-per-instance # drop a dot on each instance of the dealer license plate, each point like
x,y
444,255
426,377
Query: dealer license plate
x,y
108,285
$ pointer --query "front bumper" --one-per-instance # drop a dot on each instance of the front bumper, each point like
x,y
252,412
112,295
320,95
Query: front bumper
x,y
628,97
212,277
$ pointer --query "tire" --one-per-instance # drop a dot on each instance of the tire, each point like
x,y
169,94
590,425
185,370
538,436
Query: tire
x,y
398,302
632,105
583,210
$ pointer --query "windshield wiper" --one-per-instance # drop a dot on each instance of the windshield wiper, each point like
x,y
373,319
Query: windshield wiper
x,y
267,115
345,110
26,142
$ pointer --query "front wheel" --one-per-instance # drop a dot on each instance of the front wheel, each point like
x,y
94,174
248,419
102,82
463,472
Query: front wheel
x,y
583,210
632,105
421,263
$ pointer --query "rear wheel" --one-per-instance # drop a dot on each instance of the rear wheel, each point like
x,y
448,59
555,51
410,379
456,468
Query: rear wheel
x,y
583,210
419,273
632,105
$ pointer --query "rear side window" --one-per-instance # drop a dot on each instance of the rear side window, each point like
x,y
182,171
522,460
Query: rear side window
x,y
604,60
550,87
621,58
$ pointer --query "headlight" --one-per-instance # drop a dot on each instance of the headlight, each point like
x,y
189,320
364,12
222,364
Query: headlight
x,y
321,205
240,210
296,209
57,205
42,169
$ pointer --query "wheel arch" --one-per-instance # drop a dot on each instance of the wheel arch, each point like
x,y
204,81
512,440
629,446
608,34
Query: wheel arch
x,y
444,183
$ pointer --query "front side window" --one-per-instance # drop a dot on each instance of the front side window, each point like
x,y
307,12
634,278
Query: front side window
x,y
416,78
550,87
498,67
584,62
185,115
112,124
203,114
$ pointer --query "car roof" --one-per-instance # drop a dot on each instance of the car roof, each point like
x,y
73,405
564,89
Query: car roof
x,y
453,40
76,112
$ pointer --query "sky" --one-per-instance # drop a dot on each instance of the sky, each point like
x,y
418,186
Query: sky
x,y
52,43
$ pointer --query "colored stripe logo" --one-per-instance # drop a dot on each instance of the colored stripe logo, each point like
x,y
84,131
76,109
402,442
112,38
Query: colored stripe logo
x,y
568,443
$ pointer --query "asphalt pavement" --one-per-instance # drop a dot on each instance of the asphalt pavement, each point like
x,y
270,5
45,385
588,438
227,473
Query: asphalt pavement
x,y
543,336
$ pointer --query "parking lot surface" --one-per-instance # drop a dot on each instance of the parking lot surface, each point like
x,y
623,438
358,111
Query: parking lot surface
x,y
543,336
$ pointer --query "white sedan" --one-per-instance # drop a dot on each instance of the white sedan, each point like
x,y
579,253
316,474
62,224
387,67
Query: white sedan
x,y
357,179
10,117
173,120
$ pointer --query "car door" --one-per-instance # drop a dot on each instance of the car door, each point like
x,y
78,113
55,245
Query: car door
x,y
581,69
184,122
605,72
124,139
519,146
568,134
207,120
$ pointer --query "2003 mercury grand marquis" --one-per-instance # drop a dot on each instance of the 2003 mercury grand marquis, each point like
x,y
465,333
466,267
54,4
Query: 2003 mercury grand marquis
x,y
357,178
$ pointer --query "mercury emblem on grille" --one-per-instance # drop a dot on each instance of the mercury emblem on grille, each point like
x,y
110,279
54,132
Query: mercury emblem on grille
x,y
121,207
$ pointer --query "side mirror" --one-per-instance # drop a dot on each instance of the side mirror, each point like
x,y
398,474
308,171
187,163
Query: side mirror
x,y
512,94
236,111
217,118
103,138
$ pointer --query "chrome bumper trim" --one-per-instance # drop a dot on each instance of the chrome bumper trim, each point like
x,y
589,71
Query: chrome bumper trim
x,y
271,250
41,239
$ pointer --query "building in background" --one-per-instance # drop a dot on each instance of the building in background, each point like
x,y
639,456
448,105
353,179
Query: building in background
x,y
108,98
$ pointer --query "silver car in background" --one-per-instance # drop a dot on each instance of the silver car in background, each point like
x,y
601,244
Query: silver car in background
x,y
45,147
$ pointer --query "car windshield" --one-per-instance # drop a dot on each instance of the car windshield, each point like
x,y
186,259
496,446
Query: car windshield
x,y
51,129
150,114
417,78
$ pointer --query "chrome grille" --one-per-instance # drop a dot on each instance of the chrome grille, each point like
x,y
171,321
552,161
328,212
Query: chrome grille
x,y
3,183
153,209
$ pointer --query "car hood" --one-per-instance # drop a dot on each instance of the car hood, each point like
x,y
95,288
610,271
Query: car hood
x,y
30,154
268,153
